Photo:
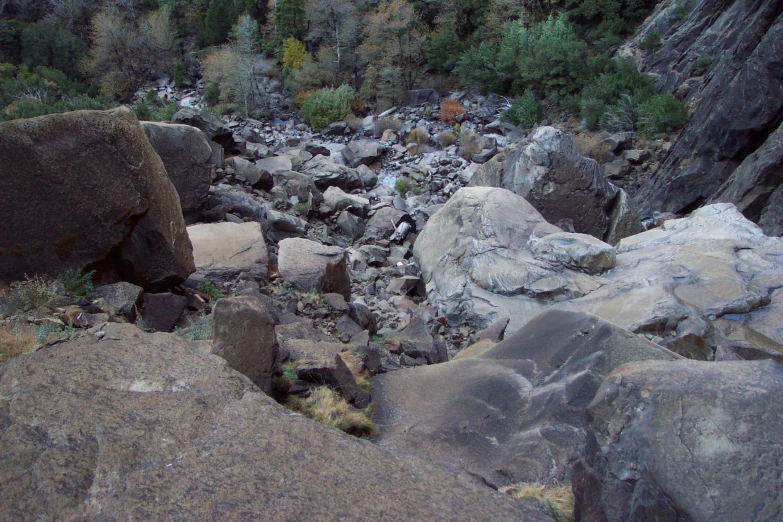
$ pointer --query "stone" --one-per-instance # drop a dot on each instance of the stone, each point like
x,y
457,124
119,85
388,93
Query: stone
x,y
162,311
512,412
121,299
684,440
347,327
188,158
250,172
415,340
363,316
349,225
420,97
224,250
240,203
326,173
207,123
329,371
282,225
115,213
547,170
336,301
299,185
617,169
274,164
362,152
576,251
336,200
368,178
244,335
308,265
385,220
226,444
405,285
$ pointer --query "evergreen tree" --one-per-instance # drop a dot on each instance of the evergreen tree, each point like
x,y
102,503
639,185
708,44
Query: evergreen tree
x,y
220,16
290,19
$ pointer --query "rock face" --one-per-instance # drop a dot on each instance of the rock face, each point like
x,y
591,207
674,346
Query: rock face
x,y
515,412
245,337
735,102
148,428
224,250
187,155
709,277
684,440
547,170
308,265
210,125
109,204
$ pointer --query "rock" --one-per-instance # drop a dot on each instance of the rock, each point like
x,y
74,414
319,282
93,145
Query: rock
x,y
415,340
308,265
385,220
514,412
616,142
684,440
363,316
282,225
225,250
149,387
241,203
120,300
548,171
244,335
299,185
337,128
362,152
350,225
405,285
326,173
250,172
274,164
336,200
734,107
330,371
336,301
162,311
208,124
617,169
368,178
576,251
316,149
347,327
636,157
420,97
189,162
494,332
755,188
114,212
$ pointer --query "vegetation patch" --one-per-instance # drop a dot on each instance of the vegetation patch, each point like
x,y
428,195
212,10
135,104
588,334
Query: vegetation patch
x,y
209,288
557,500
328,407
78,285
16,341
326,106
405,185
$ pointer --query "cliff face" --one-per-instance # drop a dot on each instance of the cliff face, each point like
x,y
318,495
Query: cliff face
x,y
724,58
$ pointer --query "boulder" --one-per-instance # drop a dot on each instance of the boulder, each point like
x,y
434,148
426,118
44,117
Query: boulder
x,y
188,158
308,265
162,311
282,226
336,200
147,428
207,123
109,204
299,185
252,173
362,152
511,412
547,170
326,173
120,300
274,164
225,250
240,203
415,97
328,370
349,225
684,440
244,335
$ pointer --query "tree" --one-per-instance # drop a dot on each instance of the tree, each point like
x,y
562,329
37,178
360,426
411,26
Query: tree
x,y
290,20
45,44
394,38
159,39
244,39
335,24
218,21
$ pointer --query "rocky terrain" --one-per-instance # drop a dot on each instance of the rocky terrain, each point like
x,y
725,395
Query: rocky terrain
x,y
494,305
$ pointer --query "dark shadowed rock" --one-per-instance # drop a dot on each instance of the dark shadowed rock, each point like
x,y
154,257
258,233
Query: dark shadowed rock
x,y
515,411
327,173
245,337
210,125
120,299
147,428
329,370
162,311
684,440
91,193
420,97
308,265
362,152
187,155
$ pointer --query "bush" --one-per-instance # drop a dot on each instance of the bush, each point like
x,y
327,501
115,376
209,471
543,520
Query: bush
x,y
211,94
623,115
661,113
200,329
524,111
293,53
354,122
650,42
165,113
592,111
383,124
142,111
15,342
78,285
443,49
404,185
446,139
419,136
449,110
326,106
468,144
31,295
208,288
180,73
556,500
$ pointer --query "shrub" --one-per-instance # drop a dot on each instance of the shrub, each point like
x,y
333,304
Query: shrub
x,y
354,122
556,500
142,111
384,124
449,110
211,94
78,285
661,113
468,144
418,135
327,407
524,111
212,291
623,115
293,53
447,139
680,13
180,73
592,146
404,185
201,329
704,61
31,295
326,106
443,49
650,42
165,113
591,111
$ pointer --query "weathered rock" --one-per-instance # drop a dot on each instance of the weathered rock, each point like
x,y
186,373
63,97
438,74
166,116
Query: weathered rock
x,y
308,265
415,340
363,316
350,225
684,440
282,225
385,220
548,171
327,173
405,285
421,96
274,164
162,311
253,174
336,200
299,185
362,152
735,105
224,250
120,299
240,203
577,251
330,371
245,337
514,412
210,125
110,209
188,158
148,428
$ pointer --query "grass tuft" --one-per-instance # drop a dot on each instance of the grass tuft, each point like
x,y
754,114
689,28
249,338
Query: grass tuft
x,y
557,500
16,341
328,407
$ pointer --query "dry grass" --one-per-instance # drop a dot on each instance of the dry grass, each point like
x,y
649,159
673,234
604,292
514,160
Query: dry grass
x,y
447,139
419,136
355,363
32,295
301,95
591,145
384,124
468,144
16,341
449,110
557,500
327,407
354,122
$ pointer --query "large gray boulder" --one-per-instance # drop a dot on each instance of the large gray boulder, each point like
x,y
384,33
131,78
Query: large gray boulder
x,y
85,190
215,129
224,250
547,170
147,428
516,411
362,152
326,173
189,162
735,101
684,441
308,265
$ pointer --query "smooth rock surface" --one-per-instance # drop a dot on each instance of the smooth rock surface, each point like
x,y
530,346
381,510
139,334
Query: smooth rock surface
x,y
308,265
224,250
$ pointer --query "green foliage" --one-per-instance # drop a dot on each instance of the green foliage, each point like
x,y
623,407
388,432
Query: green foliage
x,y
404,185
326,106
11,41
209,288
31,295
704,61
142,111
622,116
661,113
220,17
604,23
199,330
650,42
78,285
524,111
592,110
293,53
45,44
443,49
180,73
477,66
290,19
680,13
165,113
211,94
